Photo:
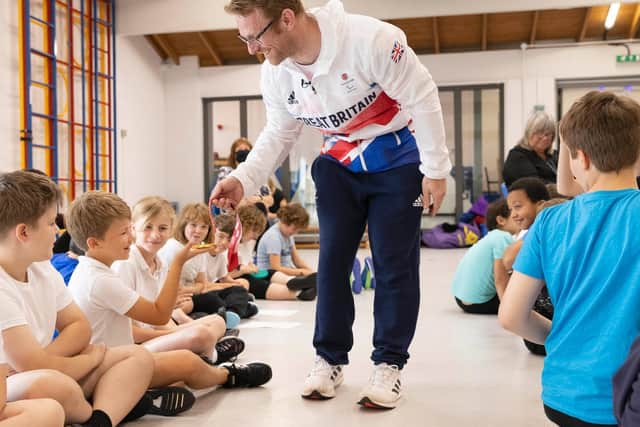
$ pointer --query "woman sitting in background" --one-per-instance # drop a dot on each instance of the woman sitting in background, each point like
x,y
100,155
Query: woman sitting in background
x,y
533,156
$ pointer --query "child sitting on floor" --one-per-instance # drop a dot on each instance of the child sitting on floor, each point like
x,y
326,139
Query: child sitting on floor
x,y
585,251
277,249
474,284
35,303
66,262
198,294
265,284
526,199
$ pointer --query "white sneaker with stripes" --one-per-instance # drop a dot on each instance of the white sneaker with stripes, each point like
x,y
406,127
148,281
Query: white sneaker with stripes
x,y
384,388
322,381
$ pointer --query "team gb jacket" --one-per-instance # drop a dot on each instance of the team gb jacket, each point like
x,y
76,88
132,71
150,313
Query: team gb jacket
x,y
369,96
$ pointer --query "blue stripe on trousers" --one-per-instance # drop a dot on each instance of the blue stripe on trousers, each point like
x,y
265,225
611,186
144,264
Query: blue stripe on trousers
x,y
346,202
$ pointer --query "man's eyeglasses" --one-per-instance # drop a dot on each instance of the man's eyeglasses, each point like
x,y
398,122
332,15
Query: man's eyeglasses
x,y
256,39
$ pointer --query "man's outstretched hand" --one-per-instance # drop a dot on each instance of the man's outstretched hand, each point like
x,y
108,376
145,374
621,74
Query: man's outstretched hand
x,y
227,193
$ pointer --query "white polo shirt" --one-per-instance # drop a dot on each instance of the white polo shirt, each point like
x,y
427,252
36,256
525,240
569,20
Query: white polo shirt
x,y
34,303
191,268
245,252
104,298
216,266
136,274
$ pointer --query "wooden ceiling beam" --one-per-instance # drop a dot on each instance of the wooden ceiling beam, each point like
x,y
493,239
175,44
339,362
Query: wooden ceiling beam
x,y
217,59
436,36
534,27
485,25
635,22
585,24
166,48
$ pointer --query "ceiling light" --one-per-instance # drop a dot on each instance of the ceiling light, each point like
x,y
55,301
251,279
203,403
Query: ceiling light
x,y
612,15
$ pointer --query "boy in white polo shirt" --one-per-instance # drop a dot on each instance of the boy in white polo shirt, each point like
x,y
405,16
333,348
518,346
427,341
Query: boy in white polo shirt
x,y
35,302
100,224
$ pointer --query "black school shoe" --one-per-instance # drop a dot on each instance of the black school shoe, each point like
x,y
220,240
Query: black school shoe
x,y
252,374
304,282
233,332
252,310
308,294
228,349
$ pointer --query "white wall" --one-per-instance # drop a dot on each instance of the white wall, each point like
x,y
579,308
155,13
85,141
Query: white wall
x,y
137,17
184,132
9,87
141,114
529,77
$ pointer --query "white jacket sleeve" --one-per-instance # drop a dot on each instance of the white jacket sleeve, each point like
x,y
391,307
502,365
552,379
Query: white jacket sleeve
x,y
275,141
399,72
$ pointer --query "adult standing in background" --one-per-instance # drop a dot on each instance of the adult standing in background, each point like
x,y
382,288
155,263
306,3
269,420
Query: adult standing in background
x,y
534,155
356,80
238,153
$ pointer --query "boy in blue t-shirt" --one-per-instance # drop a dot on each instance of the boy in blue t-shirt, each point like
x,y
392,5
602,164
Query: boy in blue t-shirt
x,y
474,284
66,262
586,252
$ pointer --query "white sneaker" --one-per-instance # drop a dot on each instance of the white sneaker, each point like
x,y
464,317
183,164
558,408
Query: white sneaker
x,y
384,388
322,381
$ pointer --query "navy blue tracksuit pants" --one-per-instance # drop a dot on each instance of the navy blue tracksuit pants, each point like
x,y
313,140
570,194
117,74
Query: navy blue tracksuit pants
x,y
346,202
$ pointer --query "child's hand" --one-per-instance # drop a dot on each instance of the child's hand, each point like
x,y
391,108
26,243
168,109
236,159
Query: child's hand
x,y
184,298
243,283
96,353
188,252
304,272
185,291
185,304
248,268
510,254
192,288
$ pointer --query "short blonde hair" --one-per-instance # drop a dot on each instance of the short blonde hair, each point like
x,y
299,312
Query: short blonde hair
x,y
193,212
91,215
151,206
24,197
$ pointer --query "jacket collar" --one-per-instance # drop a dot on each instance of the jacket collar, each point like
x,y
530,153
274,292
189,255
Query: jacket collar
x,y
331,19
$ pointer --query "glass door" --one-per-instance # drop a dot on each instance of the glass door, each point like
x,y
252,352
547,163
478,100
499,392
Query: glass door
x,y
473,118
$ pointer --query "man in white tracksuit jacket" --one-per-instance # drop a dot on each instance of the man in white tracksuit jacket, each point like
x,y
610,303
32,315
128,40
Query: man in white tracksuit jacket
x,y
354,79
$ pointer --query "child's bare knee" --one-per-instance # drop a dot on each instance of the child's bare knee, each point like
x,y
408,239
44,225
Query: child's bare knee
x,y
38,412
201,336
53,384
50,413
143,356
